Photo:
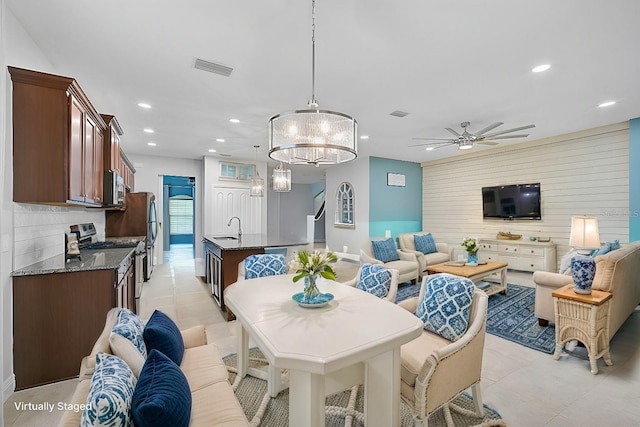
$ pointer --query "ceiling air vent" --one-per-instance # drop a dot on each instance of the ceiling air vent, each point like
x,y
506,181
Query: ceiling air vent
x,y
212,67
398,113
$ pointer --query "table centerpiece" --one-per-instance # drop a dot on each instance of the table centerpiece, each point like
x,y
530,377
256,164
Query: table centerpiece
x,y
309,266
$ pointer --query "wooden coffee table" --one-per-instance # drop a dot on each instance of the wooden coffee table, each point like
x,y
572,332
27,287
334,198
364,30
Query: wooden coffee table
x,y
476,274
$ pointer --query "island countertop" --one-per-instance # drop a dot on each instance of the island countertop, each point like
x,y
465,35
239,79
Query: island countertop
x,y
252,241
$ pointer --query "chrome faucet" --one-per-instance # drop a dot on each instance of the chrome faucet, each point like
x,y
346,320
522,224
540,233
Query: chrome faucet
x,y
239,225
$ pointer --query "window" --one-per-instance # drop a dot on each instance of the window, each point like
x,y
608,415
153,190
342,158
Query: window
x,y
181,215
345,206
236,171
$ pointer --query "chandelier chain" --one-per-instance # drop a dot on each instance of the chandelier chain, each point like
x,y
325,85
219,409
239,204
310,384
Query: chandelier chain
x,y
312,101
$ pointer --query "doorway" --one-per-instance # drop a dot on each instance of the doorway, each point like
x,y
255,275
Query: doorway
x,y
179,212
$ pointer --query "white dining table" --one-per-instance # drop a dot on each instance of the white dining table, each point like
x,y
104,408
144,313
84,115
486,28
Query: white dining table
x,y
354,339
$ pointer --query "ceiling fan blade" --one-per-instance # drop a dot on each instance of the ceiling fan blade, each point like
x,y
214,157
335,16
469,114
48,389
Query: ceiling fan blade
x,y
488,128
433,143
432,139
509,136
508,130
486,143
453,132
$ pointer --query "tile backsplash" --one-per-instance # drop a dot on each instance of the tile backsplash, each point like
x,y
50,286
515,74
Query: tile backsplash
x,y
39,230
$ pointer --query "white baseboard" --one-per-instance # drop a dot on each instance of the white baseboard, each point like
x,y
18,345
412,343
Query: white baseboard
x,y
8,387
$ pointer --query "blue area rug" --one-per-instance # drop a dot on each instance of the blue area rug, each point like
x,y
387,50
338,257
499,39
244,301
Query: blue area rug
x,y
407,290
512,317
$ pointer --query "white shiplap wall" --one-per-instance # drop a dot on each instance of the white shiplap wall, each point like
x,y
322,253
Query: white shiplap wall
x,y
584,173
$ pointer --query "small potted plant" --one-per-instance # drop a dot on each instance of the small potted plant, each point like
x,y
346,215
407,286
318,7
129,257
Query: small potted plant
x,y
311,265
470,244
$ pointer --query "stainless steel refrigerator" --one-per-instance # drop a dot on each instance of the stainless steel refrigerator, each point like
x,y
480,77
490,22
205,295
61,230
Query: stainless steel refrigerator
x,y
139,218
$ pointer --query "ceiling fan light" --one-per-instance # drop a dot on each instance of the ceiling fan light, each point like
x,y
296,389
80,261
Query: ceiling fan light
x,y
465,144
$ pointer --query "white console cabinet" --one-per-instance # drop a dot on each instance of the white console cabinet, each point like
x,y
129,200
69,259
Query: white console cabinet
x,y
520,254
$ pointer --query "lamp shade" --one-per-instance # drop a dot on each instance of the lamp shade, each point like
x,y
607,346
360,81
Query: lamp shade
x,y
281,179
313,137
584,232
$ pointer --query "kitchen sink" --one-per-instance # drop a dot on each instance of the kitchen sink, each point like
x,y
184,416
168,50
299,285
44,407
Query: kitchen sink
x,y
226,238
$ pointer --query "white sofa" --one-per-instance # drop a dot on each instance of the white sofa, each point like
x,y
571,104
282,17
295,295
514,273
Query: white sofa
x,y
617,272
213,400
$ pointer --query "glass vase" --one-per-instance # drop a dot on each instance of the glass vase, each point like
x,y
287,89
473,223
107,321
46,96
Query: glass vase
x,y
311,291
472,257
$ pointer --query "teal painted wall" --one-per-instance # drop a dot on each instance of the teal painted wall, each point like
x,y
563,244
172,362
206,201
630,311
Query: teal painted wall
x,y
634,179
398,209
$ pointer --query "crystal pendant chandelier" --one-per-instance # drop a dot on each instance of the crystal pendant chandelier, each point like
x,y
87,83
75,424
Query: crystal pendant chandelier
x,y
313,136
281,179
257,183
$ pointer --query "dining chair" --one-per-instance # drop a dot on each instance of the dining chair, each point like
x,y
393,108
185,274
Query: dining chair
x,y
262,265
435,369
377,280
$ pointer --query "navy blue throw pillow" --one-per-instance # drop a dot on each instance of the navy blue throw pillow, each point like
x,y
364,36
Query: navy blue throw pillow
x,y
162,397
161,333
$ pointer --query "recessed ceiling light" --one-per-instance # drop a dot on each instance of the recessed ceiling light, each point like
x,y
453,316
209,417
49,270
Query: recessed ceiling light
x,y
364,137
606,104
234,120
144,105
212,150
219,139
429,148
151,144
541,68
147,130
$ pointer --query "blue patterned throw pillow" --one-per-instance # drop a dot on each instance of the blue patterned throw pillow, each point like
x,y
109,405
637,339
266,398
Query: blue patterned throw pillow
x,y
162,397
385,250
264,265
374,279
110,393
127,341
446,305
425,243
162,334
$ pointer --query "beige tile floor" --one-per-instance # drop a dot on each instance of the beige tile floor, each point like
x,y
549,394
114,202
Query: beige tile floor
x,y
527,387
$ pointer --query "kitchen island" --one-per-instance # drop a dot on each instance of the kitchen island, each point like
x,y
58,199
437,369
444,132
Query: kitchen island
x,y
222,254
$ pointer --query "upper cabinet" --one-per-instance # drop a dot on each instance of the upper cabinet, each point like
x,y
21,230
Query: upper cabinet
x,y
111,151
128,171
58,140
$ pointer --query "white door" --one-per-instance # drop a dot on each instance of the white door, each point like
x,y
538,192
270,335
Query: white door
x,y
229,202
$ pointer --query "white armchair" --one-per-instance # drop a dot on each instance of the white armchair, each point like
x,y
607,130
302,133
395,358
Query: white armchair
x,y
443,254
435,371
393,284
407,265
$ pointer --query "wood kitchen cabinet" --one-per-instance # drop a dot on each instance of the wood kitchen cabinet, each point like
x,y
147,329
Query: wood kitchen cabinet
x,y
58,140
58,317
128,172
111,151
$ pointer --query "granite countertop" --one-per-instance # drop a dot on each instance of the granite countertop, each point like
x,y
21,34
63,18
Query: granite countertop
x,y
91,259
252,241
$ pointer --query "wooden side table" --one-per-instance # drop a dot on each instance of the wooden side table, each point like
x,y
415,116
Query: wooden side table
x,y
584,318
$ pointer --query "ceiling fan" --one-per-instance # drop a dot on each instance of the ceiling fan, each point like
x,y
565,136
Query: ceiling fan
x,y
466,139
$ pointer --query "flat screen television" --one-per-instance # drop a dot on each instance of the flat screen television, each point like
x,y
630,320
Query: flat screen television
x,y
517,201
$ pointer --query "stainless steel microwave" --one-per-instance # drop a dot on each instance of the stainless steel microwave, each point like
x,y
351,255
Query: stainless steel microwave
x,y
113,189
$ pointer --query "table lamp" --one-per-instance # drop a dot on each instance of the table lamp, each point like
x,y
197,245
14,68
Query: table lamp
x,y
584,236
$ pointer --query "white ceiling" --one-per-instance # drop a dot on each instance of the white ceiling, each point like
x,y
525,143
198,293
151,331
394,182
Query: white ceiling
x,y
443,62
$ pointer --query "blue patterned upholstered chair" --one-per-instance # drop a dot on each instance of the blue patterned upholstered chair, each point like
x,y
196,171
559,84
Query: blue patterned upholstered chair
x,y
447,358
377,280
262,265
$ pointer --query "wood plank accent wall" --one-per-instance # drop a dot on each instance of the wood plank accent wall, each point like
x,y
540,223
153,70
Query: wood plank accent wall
x,y
583,173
